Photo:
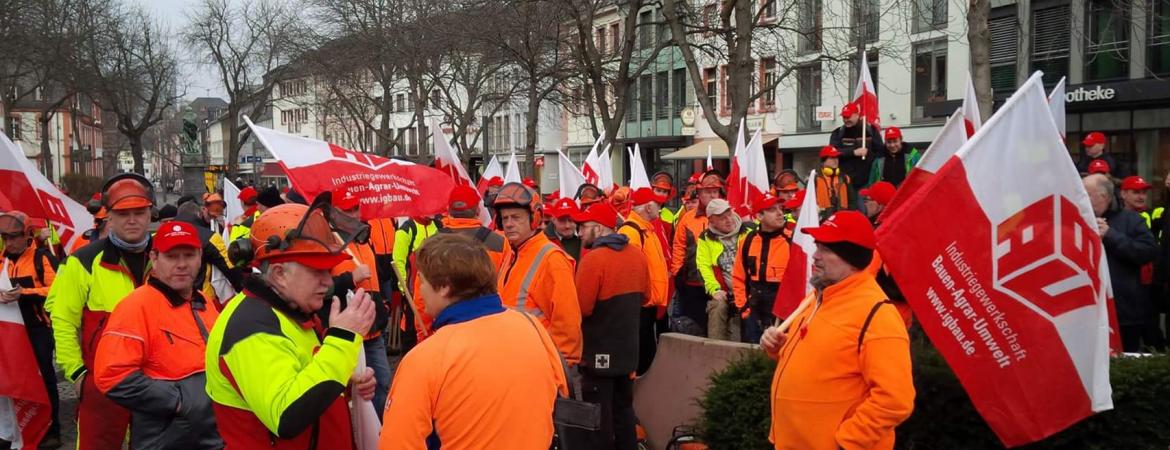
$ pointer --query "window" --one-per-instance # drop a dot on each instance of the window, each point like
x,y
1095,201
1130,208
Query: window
x,y
808,97
768,85
809,26
436,98
872,59
15,130
1158,53
601,41
709,78
769,12
645,30
615,37
663,29
400,103
930,15
1050,42
680,90
710,15
1005,35
865,20
662,95
724,101
1107,41
930,75
632,101
646,100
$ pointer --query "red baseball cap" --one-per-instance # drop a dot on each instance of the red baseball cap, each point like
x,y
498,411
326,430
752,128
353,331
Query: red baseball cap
x,y
766,202
645,195
176,234
463,198
849,110
247,194
829,151
601,212
561,208
1135,183
531,184
344,200
881,192
1099,166
845,226
795,201
495,182
1094,138
893,133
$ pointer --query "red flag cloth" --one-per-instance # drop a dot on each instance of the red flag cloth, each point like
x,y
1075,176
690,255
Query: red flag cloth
x,y
24,188
1015,300
794,284
21,381
386,188
865,95
949,140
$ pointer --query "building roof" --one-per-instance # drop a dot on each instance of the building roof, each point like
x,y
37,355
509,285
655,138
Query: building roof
x,y
208,102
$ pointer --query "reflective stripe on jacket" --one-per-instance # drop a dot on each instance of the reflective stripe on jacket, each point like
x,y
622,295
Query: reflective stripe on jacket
x,y
538,279
686,237
760,260
22,272
707,259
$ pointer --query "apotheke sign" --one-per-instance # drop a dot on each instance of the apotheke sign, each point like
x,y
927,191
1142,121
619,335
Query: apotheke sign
x,y
1083,94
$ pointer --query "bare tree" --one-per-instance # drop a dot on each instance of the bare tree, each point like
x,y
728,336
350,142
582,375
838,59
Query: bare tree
x,y
249,44
137,71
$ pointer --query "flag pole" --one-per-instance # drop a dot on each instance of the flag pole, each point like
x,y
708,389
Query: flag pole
x,y
864,127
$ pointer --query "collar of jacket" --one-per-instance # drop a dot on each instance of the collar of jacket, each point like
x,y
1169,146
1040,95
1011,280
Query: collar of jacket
x,y
849,283
15,258
537,239
254,287
469,310
176,300
112,255
708,234
616,241
460,224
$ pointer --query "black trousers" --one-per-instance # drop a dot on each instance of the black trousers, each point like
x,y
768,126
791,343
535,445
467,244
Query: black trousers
x,y
692,304
647,338
618,423
41,338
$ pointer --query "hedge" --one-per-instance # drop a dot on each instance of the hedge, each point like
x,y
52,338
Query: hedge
x,y
81,187
736,412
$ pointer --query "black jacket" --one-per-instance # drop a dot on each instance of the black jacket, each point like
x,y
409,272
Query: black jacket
x,y
1116,170
1129,245
846,140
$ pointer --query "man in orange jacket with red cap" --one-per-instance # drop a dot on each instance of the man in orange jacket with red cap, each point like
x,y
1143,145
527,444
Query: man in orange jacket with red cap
x,y
843,377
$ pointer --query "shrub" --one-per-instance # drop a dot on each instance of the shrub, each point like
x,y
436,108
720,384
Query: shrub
x,y
736,412
80,186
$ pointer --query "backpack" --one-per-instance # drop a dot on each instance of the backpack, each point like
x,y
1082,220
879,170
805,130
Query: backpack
x,y
641,232
869,318
39,257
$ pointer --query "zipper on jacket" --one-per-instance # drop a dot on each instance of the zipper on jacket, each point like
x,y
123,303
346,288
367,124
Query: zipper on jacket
x,y
97,332
169,337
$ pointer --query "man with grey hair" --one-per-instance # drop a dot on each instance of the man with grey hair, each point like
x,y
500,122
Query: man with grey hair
x,y
1129,245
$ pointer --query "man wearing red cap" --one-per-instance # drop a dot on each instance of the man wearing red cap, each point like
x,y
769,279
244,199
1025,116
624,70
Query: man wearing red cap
x,y
876,198
561,228
857,154
151,356
612,286
1134,193
663,185
832,186
1099,166
89,284
843,377
640,230
760,261
1094,150
212,211
895,162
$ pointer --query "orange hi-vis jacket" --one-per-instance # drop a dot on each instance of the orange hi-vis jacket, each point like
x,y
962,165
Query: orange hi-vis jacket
x,y
825,187
470,392
686,238
495,243
151,361
760,261
835,387
644,238
34,284
360,253
538,279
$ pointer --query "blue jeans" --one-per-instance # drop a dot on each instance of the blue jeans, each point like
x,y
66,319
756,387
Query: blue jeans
x,y
376,359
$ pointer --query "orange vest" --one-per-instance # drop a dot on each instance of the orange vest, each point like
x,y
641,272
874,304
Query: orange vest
x,y
538,279
825,196
752,265
686,237
360,254
644,238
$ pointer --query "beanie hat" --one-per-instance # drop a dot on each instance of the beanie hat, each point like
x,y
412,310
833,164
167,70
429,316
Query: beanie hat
x,y
856,255
269,197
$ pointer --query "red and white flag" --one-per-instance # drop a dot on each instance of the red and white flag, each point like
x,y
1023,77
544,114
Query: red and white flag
x,y
512,173
24,188
971,118
490,172
605,172
794,284
1056,104
748,181
1015,299
952,137
638,177
571,178
865,95
710,160
21,384
447,158
386,188
591,168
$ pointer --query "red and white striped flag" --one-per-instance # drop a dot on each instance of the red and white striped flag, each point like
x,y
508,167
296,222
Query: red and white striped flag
x,y
971,118
24,188
591,168
748,180
447,161
490,172
952,137
1056,104
865,95
20,377
710,160
794,284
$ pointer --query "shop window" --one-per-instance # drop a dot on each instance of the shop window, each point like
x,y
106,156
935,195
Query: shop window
x,y
809,25
930,15
1005,36
1106,41
1158,53
930,76
808,97
1050,42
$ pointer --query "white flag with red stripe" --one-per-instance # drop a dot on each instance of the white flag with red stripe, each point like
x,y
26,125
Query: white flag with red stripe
x,y
385,187
638,177
490,172
21,384
971,118
1015,299
605,172
865,95
447,158
24,188
952,137
710,160
795,284
1056,104
748,180
571,178
591,168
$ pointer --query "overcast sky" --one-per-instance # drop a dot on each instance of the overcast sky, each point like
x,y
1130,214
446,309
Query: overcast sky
x,y
201,79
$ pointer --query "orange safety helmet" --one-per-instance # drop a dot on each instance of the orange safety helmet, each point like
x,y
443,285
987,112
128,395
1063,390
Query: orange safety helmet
x,y
296,233
517,195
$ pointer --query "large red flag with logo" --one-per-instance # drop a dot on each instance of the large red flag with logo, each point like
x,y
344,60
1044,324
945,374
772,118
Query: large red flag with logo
x,y
1015,297
24,188
20,378
386,188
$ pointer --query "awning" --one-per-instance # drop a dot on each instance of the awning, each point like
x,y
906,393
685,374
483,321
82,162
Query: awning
x,y
812,142
698,150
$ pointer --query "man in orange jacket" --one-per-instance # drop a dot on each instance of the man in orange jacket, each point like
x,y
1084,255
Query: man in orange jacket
x,y
639,227
538,278
760,261
843,376
459,387
692,298
150,359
